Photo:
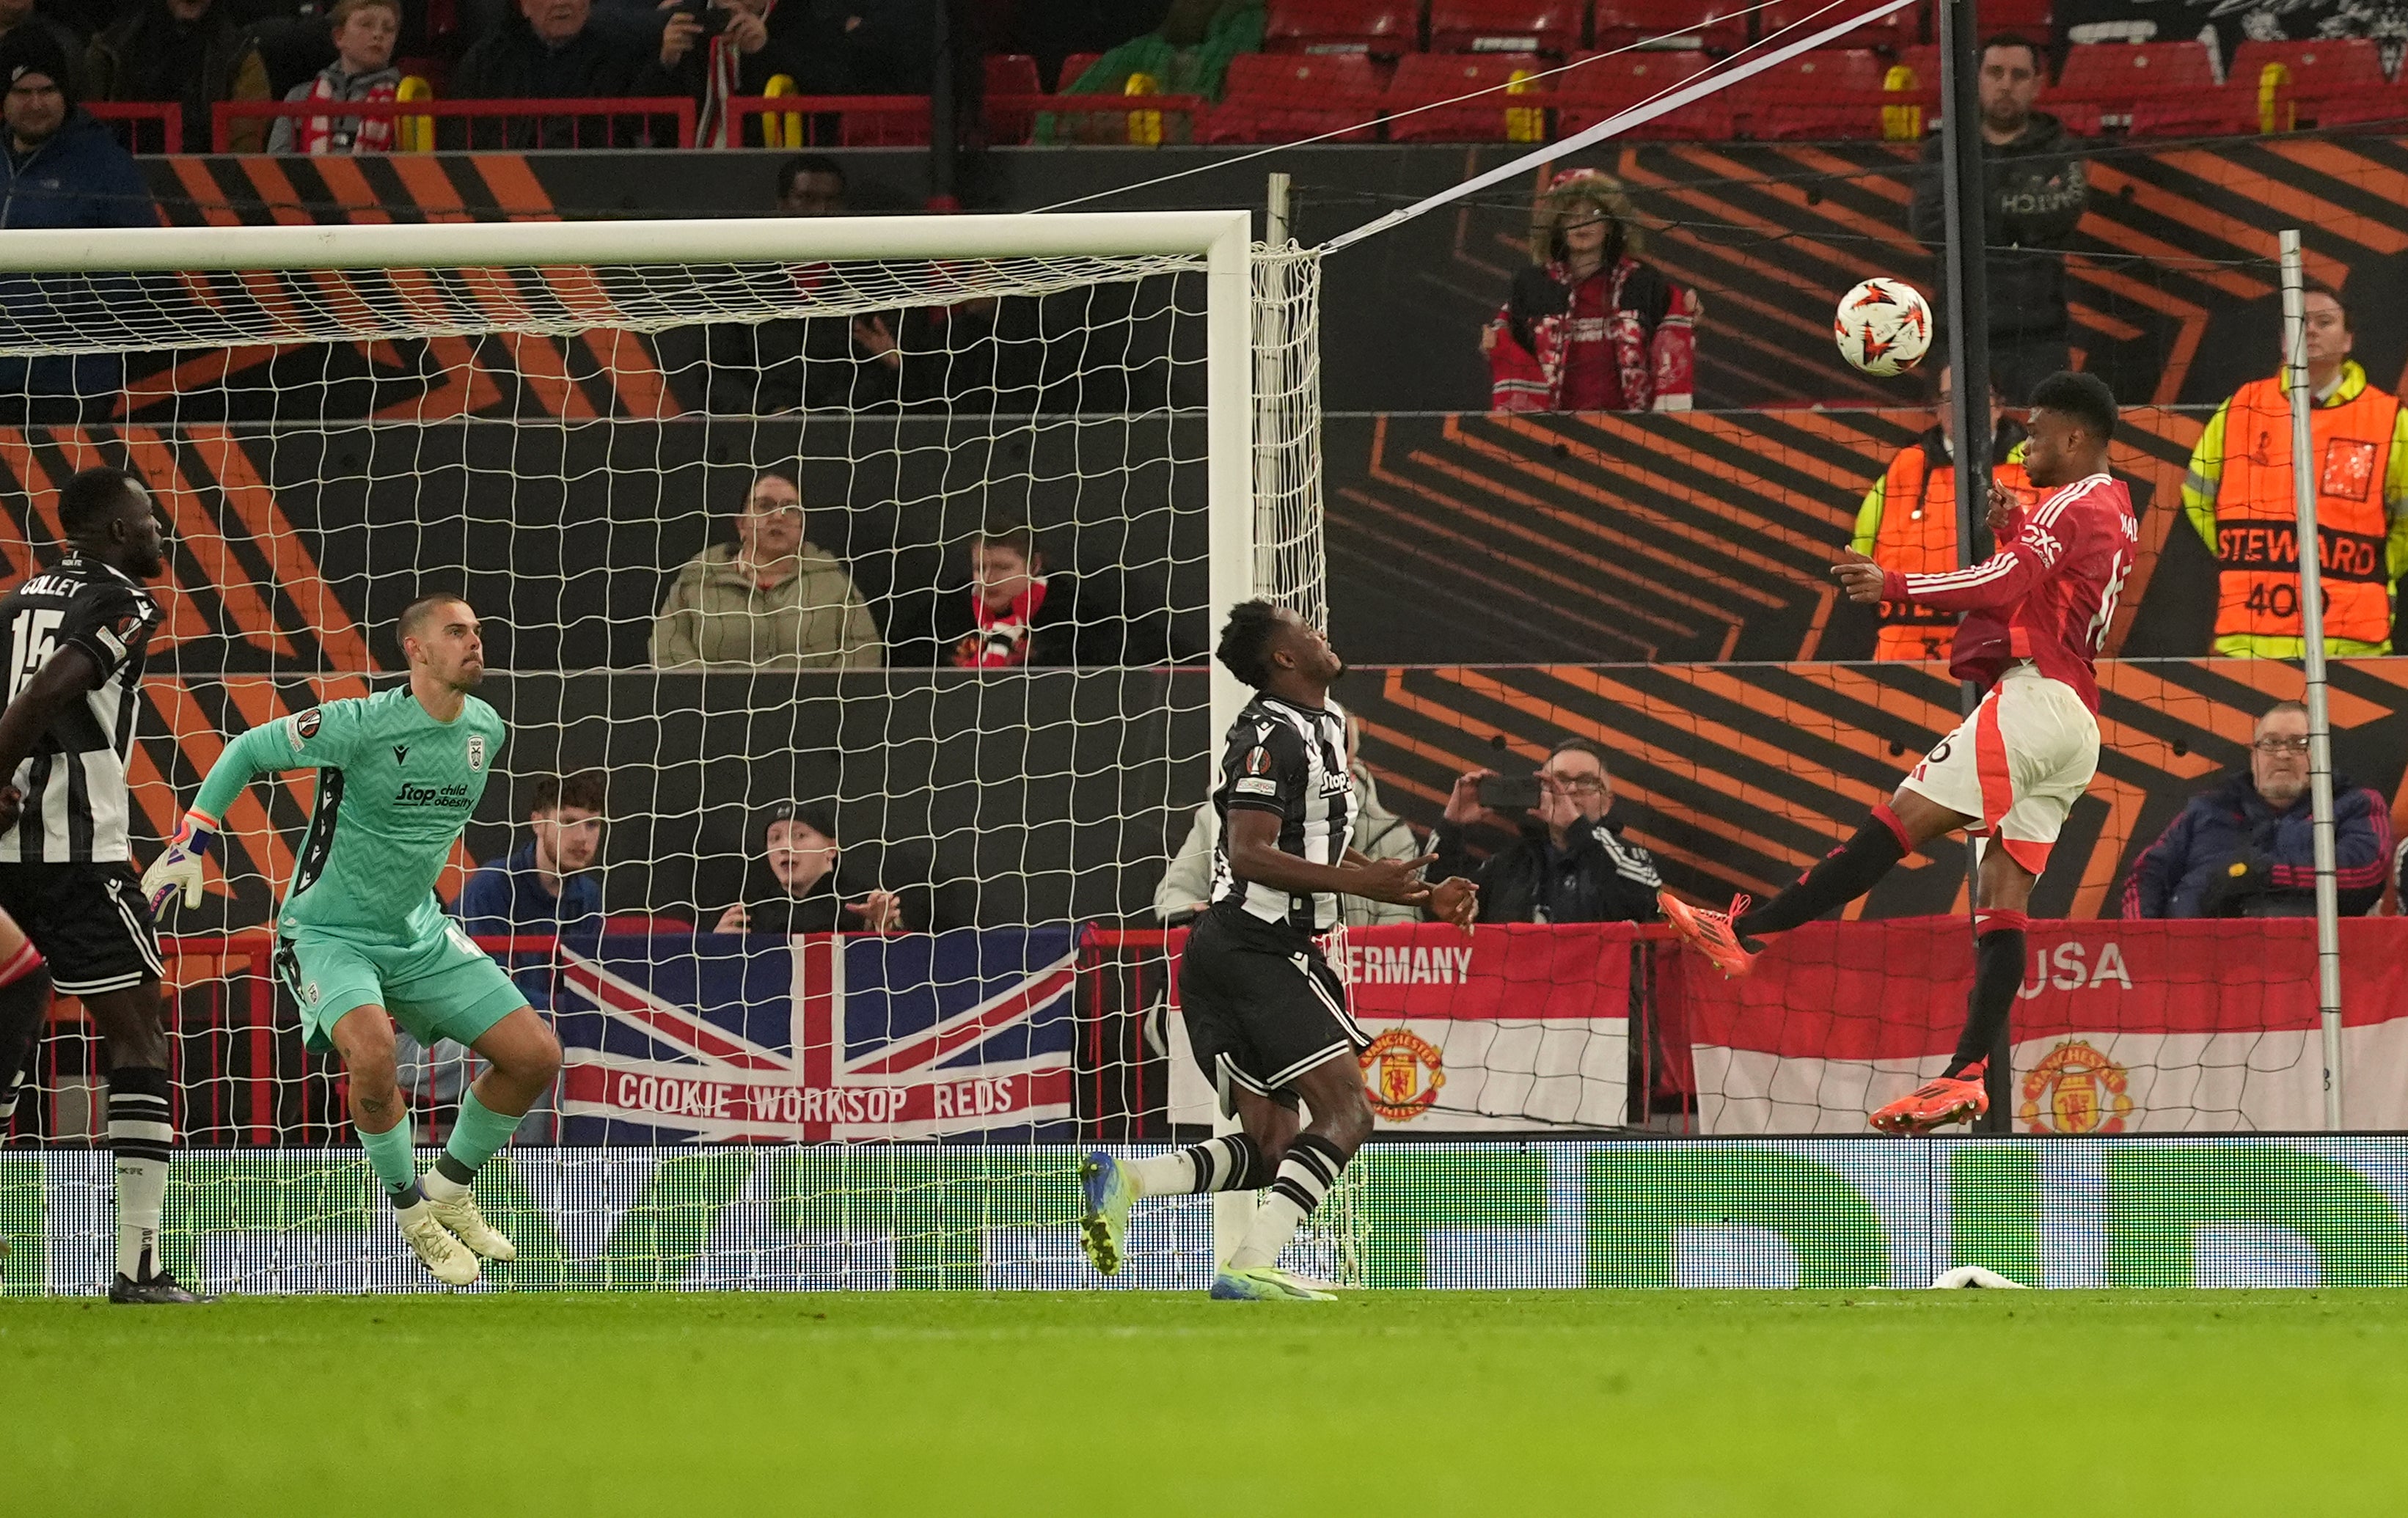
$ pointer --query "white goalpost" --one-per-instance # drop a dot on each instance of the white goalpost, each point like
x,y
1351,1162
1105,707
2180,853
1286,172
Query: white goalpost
x,y
336,418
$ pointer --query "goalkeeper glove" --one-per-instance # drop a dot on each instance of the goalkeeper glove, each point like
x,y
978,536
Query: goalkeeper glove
x,y
179,867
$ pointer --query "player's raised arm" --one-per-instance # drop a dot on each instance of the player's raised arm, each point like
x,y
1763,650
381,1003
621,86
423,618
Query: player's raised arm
x,y
317,739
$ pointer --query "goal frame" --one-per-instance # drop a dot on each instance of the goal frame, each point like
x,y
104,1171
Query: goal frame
x,y
1222,238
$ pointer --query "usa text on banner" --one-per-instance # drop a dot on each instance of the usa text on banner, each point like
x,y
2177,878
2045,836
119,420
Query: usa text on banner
x,y
1516,1027
862,1037
2120,1027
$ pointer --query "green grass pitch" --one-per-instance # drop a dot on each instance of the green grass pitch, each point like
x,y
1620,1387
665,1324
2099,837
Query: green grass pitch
x,y
1389,1403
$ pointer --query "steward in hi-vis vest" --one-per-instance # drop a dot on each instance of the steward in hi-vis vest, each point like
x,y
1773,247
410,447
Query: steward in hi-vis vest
x,y
2238,495
1909,524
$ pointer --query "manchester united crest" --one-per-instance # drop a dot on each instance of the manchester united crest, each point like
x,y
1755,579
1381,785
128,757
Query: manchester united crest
x,y
2077,1089
1405,1072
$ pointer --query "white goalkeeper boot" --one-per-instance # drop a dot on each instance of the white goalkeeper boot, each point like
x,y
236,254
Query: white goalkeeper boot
x,y
443,1255
455,1207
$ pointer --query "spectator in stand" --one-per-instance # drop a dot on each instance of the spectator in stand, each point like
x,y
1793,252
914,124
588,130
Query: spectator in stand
x,y
1017,613
64,170
849,362
770,600
2033,171
2245,849
2238,495
22,13
803,884
190,52
1569,864
1909,521
716,51
1187,888
547,884
1588,328
550,51
362,70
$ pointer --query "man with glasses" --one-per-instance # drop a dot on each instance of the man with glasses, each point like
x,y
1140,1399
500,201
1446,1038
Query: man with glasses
x,y
2245,849
1569,862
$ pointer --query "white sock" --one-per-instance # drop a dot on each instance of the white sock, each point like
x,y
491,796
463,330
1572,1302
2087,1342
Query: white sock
x,y
139,1130
1228,1163
440,1187
1305,1177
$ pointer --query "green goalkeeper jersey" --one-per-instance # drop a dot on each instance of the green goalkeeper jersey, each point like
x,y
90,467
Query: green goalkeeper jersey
x,y
394,789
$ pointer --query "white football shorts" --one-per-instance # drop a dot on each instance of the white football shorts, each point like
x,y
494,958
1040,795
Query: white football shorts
x,y
2016,765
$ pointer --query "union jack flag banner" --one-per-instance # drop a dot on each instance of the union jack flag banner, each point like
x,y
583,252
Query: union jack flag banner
x,y
825,1036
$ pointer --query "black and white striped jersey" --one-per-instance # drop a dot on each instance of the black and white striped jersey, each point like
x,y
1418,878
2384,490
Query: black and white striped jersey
x,y
1289,760
76,810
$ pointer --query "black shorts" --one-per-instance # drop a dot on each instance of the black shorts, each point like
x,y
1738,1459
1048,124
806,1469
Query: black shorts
x,y
89,921
1262,1008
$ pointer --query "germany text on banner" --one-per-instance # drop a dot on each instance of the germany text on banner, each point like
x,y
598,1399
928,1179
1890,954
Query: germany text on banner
x,y
1515,1027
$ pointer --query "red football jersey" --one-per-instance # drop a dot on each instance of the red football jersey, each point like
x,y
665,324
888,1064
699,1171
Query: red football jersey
x,y
2049,593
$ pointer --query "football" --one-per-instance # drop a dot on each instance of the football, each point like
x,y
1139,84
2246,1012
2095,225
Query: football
x,y
1883,327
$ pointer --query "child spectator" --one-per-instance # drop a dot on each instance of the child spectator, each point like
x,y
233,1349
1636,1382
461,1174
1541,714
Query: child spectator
x,y
362,70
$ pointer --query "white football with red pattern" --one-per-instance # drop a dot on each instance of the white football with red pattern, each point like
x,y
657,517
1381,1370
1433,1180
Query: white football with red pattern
x,y
1883,327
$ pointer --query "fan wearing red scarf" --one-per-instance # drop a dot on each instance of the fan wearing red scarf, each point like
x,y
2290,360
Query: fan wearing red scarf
x,y
1019,615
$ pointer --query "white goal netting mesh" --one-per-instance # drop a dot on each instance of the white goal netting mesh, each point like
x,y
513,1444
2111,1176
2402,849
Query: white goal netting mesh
x,y
844,595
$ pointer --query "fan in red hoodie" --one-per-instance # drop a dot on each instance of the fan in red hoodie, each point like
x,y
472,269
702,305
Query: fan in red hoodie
x,y
2036,614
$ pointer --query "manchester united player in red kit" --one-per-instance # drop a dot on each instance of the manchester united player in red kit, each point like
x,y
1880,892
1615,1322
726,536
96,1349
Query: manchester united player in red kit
x,y
2036,612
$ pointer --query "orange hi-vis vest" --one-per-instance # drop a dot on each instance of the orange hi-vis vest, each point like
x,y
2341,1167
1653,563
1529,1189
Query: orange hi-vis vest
x,y
1918,537
2256,537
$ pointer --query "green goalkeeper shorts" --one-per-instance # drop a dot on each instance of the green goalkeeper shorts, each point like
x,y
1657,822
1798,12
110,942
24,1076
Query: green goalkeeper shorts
x,y
443,986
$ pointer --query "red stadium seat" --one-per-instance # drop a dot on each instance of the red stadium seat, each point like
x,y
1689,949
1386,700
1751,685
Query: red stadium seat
x,y
2317,78
1505,26
2230,110
1385,27
2386,108
1610,82
1280,97
1821,95
2026,19
1719,25
1010,73
1796,18
1072,67
1425,77
2116,74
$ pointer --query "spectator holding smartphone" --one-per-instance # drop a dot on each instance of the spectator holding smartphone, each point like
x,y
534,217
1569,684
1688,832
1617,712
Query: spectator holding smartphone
x,y
716,51
1568,864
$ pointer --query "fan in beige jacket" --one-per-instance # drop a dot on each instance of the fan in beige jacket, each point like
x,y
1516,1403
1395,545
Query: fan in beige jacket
x,y
770,600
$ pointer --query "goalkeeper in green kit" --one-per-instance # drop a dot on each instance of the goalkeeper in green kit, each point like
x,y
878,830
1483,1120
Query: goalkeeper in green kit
x,y
362,939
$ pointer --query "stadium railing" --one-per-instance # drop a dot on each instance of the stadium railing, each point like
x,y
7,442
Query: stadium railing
x,y
143,126
2123,1026
589,122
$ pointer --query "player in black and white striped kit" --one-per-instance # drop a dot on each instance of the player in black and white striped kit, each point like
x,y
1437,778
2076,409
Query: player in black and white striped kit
x,y
75,636
1266,1015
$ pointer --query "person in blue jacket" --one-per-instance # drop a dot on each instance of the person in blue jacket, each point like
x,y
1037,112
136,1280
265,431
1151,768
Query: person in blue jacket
x,y
2245,849
64,169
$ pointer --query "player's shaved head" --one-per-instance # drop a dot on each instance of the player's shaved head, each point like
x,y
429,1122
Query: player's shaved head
x,y
93,496
417,616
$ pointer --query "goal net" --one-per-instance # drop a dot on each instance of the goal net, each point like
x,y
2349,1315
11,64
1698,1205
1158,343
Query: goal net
x,y
847,573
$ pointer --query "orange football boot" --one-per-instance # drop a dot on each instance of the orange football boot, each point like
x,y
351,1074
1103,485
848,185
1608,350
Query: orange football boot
x,y
1709,932
1936,1104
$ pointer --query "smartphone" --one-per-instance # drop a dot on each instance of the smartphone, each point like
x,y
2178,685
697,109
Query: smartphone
x,y
1510,793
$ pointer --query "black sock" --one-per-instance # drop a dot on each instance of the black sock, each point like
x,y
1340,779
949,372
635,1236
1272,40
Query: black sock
x,y
452,1170
24,1003
1997,975
1230,1162
1837,879
405,1197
